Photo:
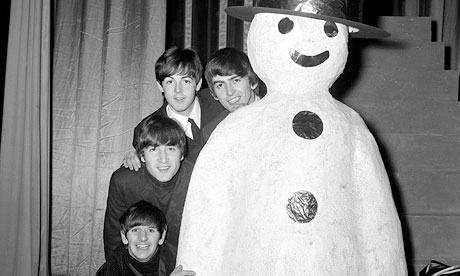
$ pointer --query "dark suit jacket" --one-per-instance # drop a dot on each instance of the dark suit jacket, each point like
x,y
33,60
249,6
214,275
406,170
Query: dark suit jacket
x,y
209,127
128,187
210,109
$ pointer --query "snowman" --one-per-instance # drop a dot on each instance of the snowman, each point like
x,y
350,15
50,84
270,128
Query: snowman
x,y
293,184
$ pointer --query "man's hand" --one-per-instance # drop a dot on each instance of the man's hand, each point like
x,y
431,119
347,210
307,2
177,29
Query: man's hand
x,y
132,161
178,271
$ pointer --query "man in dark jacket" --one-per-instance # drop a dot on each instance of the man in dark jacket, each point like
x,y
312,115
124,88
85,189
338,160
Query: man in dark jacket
x,y
162,180
178,73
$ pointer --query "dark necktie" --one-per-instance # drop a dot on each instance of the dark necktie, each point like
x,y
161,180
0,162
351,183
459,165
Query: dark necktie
x,y
195,131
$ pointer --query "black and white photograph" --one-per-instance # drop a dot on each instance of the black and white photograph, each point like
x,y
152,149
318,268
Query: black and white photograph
x,y
230,138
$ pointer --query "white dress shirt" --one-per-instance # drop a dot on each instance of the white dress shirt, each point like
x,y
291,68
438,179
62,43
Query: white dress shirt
x,y
183,120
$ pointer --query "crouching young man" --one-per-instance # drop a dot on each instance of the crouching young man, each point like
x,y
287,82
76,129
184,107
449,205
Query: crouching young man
x,y
163,181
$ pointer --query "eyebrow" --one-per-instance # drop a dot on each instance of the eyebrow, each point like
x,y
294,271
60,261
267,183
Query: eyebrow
x,y
143,225
183,77
232,77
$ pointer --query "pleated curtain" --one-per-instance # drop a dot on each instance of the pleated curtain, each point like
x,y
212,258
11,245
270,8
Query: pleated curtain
x,y
103,85
24,152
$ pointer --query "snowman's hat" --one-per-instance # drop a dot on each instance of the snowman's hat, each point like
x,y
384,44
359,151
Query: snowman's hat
x,y
347,12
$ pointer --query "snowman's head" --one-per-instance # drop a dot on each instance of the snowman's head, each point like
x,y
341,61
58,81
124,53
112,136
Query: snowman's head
x,y
292,50
302,42
347,12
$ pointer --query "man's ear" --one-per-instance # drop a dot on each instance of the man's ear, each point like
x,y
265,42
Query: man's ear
x,y
212,93
198,85
160,87
141,156
123,238
352,29
254,85
163,236
182,157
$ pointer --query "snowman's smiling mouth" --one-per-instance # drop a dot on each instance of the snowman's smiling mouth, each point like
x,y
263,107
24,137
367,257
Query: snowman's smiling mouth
x,y
308,61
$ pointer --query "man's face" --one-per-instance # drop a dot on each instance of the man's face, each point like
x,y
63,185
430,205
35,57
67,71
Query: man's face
x,y
163,161
233,91
180,91
142,242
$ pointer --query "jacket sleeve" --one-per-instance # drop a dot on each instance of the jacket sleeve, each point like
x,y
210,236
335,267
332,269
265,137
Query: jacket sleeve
x,y
116,206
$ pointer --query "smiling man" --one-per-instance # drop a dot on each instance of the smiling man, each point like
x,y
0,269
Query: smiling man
x,y
162,181
178,72
232,82
143,230
231,79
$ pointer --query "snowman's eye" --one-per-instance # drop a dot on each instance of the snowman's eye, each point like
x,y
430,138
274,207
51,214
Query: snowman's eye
x,y
330,29
285,25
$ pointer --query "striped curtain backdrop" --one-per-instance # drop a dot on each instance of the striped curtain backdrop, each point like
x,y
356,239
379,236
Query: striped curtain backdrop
x,y
204,26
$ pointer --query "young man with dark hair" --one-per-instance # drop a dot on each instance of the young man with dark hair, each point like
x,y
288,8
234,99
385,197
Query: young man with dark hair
x,y
143,231
232,82
178,73
162,180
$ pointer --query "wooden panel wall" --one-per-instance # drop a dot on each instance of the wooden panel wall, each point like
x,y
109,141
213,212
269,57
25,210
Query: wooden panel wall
x,y
410,104
445,15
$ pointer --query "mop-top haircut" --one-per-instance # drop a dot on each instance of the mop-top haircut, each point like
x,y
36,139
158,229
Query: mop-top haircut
x,y
143,213
228,62
179,61
160,130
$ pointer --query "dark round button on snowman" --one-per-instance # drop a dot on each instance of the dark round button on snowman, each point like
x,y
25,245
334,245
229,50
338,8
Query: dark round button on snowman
x,y
293,184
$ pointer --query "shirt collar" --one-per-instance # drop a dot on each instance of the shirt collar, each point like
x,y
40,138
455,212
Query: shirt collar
x,y
183,120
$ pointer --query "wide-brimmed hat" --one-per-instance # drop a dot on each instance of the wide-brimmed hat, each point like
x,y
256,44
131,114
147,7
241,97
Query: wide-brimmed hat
x,y
347,12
